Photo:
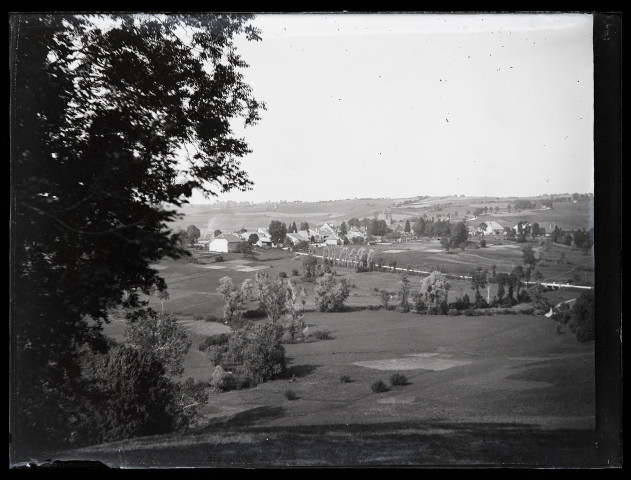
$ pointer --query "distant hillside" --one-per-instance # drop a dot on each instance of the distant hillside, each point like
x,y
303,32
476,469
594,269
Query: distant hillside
x,y
567,215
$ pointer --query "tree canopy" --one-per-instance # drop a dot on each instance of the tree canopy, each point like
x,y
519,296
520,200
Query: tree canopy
x,y
113,124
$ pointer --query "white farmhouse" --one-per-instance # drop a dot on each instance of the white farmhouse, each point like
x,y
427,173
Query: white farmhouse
x,y
226,242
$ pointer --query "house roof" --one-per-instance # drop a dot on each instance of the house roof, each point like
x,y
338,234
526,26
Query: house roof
x,y
298,237
232,238
493,225
264,239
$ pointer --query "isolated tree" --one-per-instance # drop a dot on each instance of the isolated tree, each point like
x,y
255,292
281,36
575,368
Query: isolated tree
x,y
295,300
247,250
304,226
385,298
483,226
309,264
459,234
478,281
272,296
404,293
528,256
432,296
235,299
253,238
330,294
407,228
277,231
192,234
516,277
293,228
98,115
535,230
216,233
343,229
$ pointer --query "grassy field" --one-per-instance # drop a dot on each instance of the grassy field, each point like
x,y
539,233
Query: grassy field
x,y
504,390
193,286
501,389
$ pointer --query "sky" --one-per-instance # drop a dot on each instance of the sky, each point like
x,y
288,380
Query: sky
x,y
400,105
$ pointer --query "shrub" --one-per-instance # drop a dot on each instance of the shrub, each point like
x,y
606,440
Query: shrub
x,y
329,294
461,303
290,395
379,387
254,313
469,312
222,381
453,312
482,243
295,273
212,318
345,379
282,275
126,377
258,349
214,340
163,337
198,317
322,335
376,289
398,380
219,258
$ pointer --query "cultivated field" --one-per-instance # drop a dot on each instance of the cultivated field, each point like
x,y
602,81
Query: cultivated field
x,y
567,215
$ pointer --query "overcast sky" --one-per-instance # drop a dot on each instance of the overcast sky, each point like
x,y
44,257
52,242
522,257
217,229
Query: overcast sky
x,y
417,104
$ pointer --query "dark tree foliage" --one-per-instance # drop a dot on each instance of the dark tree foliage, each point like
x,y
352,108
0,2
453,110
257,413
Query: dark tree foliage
x,y
277,231
459,234
582,317
98,117
192,234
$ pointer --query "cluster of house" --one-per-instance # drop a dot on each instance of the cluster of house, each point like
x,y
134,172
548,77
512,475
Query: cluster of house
x,y
495,228
328,234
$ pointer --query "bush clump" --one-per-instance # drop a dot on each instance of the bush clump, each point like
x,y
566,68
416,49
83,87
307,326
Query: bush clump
x,y
212,318
295,273
290,395
321,335
219,258
214,340
379,387
282,275
345,379
398,380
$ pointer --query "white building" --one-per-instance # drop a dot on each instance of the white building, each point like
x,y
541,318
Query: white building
x,y
226,242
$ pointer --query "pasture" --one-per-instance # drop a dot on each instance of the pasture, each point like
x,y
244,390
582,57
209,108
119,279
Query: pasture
x,y
480,390
500,389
